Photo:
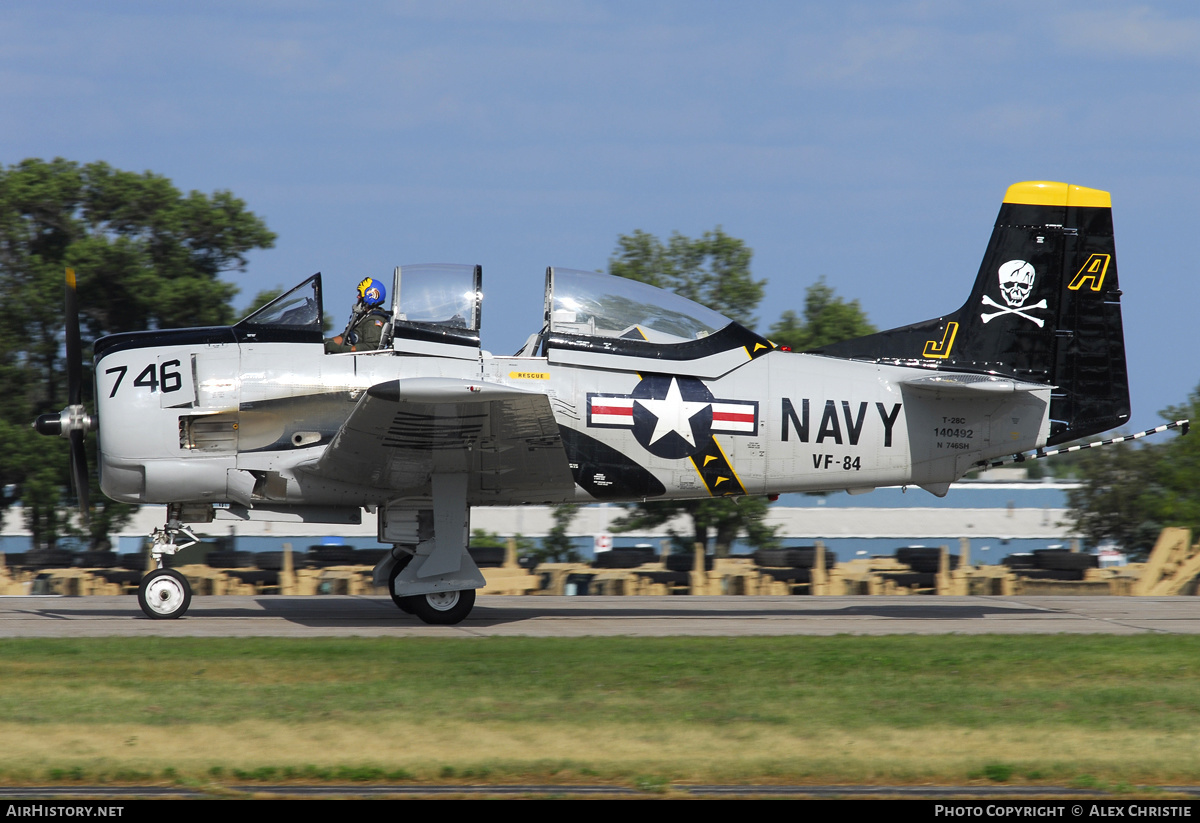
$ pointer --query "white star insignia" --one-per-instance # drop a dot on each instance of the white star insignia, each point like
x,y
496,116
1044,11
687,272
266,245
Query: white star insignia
x,y
674,414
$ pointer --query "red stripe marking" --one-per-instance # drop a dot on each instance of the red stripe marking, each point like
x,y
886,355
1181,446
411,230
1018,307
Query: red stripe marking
x,y
620,410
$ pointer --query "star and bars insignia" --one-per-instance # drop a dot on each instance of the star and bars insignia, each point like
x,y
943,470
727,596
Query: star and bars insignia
x,y
677,417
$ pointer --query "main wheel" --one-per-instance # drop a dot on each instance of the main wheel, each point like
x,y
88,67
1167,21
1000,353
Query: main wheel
x,y
442,608
164,594
402,603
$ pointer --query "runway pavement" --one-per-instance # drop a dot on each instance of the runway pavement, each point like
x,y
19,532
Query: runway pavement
x,y
334,616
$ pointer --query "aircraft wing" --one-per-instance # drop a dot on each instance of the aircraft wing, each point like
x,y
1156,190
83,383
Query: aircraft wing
x,y
506,440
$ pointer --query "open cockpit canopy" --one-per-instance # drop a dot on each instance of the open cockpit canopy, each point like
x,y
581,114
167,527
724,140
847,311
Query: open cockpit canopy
x,y
298,308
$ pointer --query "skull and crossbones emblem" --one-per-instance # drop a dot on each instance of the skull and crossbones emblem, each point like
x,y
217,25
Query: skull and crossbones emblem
x,y
1016,282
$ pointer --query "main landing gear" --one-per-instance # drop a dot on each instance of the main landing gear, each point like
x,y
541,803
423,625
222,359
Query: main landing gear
x,y
429,572
440,608
165,593
436,608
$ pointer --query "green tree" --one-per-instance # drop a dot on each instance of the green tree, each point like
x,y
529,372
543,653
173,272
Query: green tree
x,y
713,270
1112,504
484,539
827,319
557,546
261,299
716,519
147,257
265,296
1177,474
1129,493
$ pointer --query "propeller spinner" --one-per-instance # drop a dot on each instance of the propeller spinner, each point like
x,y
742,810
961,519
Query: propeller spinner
x,y
73,422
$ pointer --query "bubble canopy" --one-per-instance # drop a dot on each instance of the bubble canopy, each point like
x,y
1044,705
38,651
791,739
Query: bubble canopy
x,y
591,304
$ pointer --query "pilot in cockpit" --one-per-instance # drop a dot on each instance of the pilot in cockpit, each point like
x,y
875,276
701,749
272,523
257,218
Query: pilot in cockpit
x,y
368,320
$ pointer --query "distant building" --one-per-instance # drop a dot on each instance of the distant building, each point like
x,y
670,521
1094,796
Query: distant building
x,y
1001,514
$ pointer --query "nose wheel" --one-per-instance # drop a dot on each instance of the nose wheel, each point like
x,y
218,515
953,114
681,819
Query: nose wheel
x,y
164,594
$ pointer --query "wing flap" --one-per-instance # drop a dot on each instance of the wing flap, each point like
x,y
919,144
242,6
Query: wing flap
x,y
401,432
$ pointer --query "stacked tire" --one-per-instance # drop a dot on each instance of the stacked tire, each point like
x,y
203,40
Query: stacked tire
x,y
793,565
1052,564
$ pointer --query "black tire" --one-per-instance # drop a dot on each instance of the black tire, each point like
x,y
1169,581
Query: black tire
x,y
797,557
622,559
1021,560
98,560
679,563
131,561
164,594
269,561
404,604
488,556
687,562
443,608
1064,560
925,560
320,557
230,560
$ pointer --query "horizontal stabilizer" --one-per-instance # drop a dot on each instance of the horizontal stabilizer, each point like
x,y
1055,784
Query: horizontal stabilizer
x,y
965,385
1183,425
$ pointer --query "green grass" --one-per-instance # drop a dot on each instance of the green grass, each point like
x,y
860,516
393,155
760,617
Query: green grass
x,y
648,711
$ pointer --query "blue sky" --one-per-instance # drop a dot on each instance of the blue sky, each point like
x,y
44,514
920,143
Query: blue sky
x,y
868,142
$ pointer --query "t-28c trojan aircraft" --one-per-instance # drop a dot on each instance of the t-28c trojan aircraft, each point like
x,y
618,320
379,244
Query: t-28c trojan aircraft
x,y
625,393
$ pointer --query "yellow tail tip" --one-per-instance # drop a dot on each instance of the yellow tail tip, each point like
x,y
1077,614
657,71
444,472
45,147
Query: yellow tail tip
x,y
1047,193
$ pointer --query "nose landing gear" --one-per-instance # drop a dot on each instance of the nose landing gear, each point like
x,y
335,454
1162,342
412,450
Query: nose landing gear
x,y
164,593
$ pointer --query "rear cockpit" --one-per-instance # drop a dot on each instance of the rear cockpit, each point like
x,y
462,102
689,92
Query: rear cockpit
x,y
595,319
591,304
588,313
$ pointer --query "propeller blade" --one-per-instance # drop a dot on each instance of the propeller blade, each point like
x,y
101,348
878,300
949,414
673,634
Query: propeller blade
x,y
79,476
74,345
73,422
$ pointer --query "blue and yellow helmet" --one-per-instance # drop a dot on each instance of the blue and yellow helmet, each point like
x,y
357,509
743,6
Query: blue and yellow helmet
x,y
371,292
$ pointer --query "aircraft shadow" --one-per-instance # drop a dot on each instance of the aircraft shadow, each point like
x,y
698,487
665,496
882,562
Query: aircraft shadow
x,y
363,611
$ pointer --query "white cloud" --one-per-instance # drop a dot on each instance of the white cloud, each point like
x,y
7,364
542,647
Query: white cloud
x,y
1130,32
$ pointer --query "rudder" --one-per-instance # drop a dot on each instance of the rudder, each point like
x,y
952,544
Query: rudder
x,y
1045,308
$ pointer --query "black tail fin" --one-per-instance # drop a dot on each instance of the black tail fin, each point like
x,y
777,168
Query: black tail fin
x,y
1046,308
